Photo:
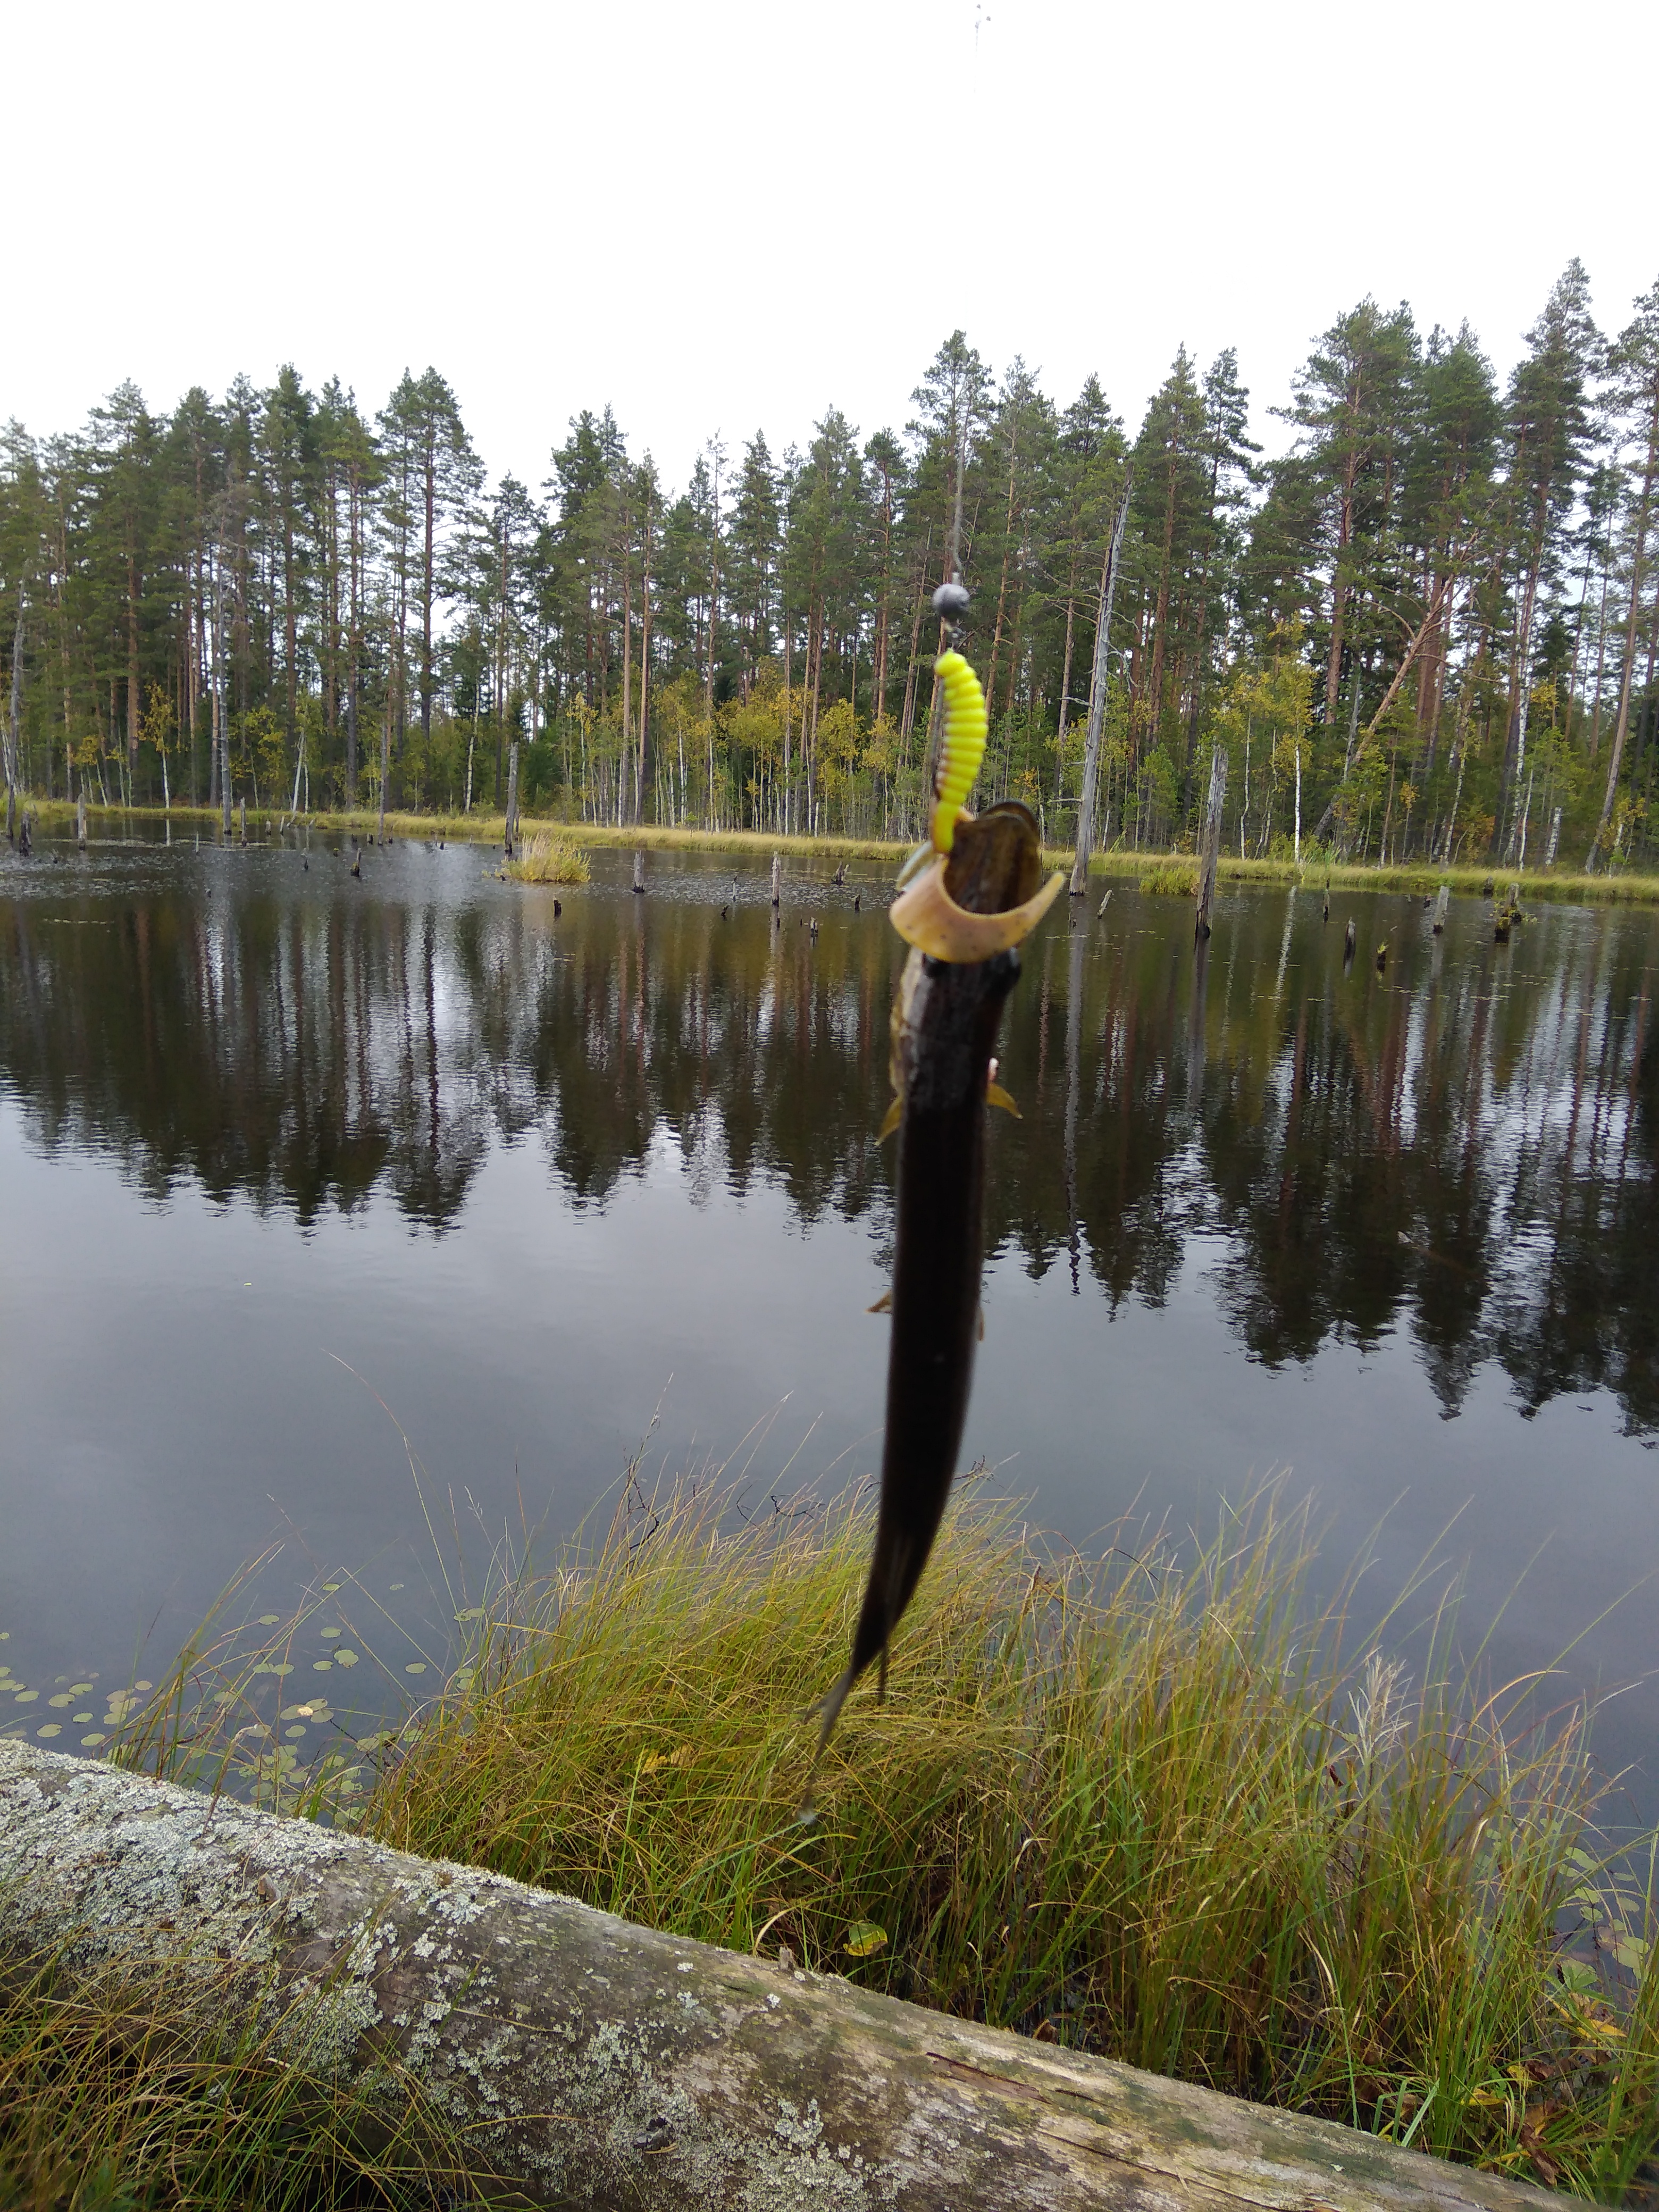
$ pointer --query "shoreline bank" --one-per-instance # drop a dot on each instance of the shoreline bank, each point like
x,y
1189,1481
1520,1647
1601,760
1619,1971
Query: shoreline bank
x,y
56,818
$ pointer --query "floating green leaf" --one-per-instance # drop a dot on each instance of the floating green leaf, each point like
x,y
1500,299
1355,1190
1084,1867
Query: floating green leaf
x,y
345,1658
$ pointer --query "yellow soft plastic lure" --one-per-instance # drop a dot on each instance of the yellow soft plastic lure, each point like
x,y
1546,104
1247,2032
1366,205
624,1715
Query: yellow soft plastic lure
x,y
962,748
964,745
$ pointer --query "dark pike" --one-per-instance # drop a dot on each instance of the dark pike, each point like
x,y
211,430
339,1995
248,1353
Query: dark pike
x,y
945,1030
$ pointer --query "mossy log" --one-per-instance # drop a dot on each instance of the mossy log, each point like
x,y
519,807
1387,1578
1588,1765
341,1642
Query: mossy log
x,y
594,2062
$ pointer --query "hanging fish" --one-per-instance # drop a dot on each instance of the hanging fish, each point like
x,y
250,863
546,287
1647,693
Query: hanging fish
x,y
973,893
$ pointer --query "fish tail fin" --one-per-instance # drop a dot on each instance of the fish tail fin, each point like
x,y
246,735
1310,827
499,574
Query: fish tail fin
x,y
831,1707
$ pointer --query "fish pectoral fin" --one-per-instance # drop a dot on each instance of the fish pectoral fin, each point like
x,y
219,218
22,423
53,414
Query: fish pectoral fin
x,y
996,1096
883,1303
889,1120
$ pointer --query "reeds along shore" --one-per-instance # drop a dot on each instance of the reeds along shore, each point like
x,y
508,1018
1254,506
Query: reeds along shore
x,y
56,820
1150,1804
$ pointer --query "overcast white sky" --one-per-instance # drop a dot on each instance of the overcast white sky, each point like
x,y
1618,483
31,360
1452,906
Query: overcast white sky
x,y
727,215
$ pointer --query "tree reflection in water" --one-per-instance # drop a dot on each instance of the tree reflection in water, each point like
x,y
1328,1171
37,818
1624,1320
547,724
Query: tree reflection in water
x,y
1463,1145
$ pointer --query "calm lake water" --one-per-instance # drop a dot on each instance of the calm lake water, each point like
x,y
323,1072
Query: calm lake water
x,y
294,1166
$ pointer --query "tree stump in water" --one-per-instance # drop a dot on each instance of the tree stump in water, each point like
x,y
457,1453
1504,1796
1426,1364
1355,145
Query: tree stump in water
x,y
1210,849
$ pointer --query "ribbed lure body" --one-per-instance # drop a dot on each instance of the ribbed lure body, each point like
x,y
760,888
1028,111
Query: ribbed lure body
x,y
964,745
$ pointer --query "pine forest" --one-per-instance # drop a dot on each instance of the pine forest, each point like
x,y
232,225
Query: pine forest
x,y
1426,631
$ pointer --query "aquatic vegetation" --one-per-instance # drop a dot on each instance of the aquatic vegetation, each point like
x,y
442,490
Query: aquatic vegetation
x,y
1172,880
549,856
1145,1804
1154,1803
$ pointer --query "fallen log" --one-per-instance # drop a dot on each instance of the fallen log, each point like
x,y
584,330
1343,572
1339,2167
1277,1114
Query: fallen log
x,y
594,2062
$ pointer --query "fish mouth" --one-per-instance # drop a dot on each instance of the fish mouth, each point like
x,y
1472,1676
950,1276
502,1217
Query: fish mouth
x,y
996,859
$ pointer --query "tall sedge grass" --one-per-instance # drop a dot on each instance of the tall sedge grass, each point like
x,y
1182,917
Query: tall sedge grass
x,y
1139,1807
1171,879
1157,1804
550,856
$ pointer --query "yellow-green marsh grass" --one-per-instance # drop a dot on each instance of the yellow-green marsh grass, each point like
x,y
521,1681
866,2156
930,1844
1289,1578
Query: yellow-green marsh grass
x,y
549,856
1619,885
1172,880
1144,1808
1156,1804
